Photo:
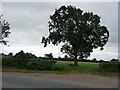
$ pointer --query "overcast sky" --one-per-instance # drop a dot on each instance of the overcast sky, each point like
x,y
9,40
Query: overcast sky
x,y
29,22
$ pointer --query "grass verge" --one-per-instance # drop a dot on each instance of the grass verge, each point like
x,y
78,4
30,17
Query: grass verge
x,y
62,67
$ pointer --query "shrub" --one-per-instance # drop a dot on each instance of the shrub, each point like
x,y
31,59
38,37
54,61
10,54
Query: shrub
x,y
30,64
39,64
109,66
14,62
6,61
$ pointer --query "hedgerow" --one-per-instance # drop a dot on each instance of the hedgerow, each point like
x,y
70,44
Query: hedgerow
x,y
30,64
110,66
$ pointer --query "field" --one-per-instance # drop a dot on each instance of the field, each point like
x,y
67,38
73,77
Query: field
x,y
83,67
62,67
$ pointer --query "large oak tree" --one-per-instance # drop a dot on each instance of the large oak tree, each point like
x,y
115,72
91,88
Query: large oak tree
x,y
80,32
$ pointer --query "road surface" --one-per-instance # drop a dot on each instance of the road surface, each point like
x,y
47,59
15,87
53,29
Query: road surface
x,y
19,80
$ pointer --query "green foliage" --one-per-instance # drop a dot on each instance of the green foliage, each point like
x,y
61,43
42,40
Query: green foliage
x,y
67,67
80,31
6,61
10,54
22,55
115,60
109,66
29,64
39,64
66,57
49,56
14,62
4,30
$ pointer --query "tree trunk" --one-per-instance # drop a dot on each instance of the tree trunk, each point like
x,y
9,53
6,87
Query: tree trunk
x,y
76,62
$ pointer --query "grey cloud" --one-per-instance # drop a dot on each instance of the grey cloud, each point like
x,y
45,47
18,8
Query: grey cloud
x,y
29,20
32,14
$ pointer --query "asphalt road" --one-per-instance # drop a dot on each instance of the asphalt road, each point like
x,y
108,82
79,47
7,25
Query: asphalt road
x,y
23,81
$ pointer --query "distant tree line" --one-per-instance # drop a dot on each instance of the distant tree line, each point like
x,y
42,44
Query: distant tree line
x,y
28,55
66,58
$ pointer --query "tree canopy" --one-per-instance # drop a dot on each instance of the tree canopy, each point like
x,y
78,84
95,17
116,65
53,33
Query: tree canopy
x,y
50,56
4,30
23,55
80,32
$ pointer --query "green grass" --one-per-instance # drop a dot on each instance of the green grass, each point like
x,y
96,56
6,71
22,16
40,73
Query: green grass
x,y
62,67
83,67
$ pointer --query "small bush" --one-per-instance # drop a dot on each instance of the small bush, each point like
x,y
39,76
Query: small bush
x,y
109,66
39,64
